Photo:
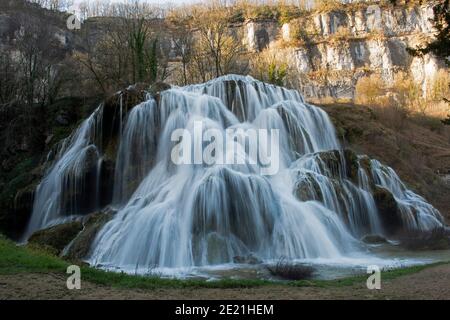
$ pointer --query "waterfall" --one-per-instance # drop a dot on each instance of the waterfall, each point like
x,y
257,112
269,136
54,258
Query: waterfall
x,y
70,186
136,150
317,204
416,213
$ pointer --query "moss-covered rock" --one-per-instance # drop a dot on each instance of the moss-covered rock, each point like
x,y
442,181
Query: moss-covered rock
x,y
57,237
80,246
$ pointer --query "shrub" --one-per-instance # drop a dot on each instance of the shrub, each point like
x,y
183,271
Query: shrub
x,y
270,67
327,5
369,89
290,271
440,86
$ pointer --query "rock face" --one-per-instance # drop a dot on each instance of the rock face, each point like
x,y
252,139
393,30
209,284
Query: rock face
x,y
333,49
330,50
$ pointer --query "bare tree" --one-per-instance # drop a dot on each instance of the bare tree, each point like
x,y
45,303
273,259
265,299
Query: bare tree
x,y
216,40
182,39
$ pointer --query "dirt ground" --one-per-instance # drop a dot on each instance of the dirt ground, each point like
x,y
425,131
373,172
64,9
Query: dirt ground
x,y
431,283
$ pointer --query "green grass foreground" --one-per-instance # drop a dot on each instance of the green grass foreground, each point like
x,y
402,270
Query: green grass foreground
x,y
16,259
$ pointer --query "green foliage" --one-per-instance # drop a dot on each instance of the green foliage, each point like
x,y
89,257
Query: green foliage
x,y
277,73
18,259
153,61
17,179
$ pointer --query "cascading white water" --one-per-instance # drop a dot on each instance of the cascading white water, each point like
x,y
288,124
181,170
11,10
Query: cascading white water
x,y
416,213
136,151
190,215
59,195
184,215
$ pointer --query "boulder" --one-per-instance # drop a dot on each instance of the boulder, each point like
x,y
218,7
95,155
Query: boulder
x,y
57,237
80,246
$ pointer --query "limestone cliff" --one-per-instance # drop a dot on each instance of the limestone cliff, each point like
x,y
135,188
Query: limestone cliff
x,y
331,50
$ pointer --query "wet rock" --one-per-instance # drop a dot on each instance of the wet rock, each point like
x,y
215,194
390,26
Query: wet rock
x,y
157,88
106,187
57,237
80,196
388,210
351,164
91,225
23,206
249,259
116,108
308,189
373,239
331,163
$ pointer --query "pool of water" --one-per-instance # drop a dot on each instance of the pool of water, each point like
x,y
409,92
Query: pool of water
x,y
385,256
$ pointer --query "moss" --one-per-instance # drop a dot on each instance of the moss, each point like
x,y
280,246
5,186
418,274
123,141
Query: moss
x,y
57,237
81,244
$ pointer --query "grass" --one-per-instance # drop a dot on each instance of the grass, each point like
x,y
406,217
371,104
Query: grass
x,y
34,259
31,259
